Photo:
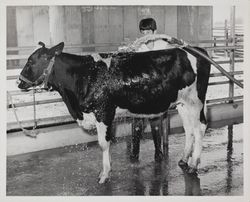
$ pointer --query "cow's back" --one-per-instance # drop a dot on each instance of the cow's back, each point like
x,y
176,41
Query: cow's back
x,y
148,82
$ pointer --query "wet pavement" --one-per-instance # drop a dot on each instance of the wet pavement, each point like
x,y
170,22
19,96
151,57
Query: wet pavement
x,y
73,171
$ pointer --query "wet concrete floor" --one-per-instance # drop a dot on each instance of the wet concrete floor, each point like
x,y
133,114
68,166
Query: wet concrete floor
x,y
73,171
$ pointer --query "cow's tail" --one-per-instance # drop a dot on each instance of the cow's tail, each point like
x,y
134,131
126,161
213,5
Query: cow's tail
x,y
203,73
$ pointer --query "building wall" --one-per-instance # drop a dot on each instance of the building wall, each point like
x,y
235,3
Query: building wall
x,y
102,24
194,23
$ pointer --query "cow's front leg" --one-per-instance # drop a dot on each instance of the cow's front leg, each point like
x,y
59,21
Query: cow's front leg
x,y
102,130
104,117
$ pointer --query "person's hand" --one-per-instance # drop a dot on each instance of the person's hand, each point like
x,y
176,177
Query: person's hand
x,y
176,41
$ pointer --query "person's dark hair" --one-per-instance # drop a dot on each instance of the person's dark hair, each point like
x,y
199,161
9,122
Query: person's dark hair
x,y
147,24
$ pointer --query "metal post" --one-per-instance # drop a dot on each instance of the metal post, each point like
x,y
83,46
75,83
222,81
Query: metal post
x,y
229,159
230,138
226,38
232,52
215,41
213,51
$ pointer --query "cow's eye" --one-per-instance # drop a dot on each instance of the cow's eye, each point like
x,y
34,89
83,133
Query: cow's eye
x,y
44,57
30,62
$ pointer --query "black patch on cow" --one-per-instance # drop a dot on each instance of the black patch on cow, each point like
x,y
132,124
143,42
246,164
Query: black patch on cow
x,y
202,116
203,72
72,103
149,81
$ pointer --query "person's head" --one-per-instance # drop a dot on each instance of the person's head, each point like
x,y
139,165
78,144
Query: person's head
x,y
147,26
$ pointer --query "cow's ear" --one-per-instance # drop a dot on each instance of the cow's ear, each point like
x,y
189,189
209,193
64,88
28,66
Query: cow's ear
x,y
41,44
56,50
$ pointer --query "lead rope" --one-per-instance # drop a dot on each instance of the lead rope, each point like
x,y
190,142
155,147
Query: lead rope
x,y
34,110
32,133
28,133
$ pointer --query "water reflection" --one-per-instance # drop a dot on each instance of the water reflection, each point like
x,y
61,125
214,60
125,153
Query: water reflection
x,y
192,184
137,183
159,182
157,185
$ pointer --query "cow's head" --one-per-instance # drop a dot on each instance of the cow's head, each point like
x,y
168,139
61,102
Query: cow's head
x,y
38,66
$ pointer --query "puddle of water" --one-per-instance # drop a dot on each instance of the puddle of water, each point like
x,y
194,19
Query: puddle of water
x,y
74,171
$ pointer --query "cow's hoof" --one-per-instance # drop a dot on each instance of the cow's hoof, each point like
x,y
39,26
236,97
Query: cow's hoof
x,y
159,156
103,177
103,180
192,171
183,165
134,159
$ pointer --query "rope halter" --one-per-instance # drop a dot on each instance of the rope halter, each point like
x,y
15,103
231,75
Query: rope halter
x,y
43,79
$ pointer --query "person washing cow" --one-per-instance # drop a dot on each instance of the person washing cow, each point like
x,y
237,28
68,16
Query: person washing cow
x,y
148,26
150,41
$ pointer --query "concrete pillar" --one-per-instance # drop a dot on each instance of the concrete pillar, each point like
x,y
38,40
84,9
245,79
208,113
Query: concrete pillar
x,y
41,24
187,21
24,23
73,25
171,21
194,23
11,27
25,30
101,26
87,19
130,23
205,24
11,33
56,24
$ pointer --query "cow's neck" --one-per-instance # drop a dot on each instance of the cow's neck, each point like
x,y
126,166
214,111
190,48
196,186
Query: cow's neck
x,y
66,68
67,72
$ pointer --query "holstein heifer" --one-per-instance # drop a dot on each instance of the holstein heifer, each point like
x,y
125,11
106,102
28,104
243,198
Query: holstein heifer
x,y
93,86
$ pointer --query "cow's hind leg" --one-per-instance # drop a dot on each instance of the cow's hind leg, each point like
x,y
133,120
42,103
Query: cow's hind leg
x,y
102,130
189,139
195,125
199,131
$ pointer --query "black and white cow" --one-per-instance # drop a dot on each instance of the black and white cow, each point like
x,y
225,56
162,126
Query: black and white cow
x,y
93,86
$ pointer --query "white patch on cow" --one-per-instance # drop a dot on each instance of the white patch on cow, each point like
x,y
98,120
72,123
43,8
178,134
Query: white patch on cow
x,y
107,61
199,131
88,122
184,113
193,61
104,144
102,130
145,76
189,95
135,79
189,109
97,57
